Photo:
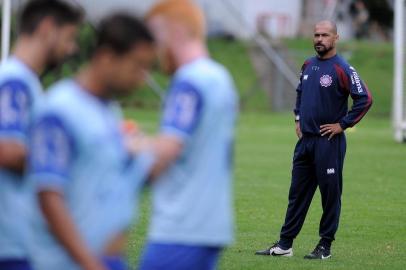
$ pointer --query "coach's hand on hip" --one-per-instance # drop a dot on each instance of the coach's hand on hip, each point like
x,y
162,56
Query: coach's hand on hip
x,y
331,129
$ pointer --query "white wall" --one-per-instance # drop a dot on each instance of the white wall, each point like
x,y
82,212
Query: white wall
x,y
222,15
237,17
283,17
99,8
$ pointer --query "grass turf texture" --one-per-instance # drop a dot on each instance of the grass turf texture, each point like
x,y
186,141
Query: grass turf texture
x,y
372,232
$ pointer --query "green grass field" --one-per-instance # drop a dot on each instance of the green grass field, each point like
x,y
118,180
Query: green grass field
x,y
372,233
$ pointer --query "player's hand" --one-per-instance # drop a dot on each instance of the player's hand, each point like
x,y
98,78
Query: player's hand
x,y
298,131
135,140
137,144
130,128
331,129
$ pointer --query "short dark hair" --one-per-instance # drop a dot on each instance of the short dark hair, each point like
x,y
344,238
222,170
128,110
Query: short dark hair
x,y
120,32
36,10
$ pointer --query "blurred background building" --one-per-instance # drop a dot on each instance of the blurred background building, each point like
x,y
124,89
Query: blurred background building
x,y
243,18
263,25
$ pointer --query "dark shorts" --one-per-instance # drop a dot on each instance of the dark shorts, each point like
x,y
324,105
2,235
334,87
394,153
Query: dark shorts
x,y
179,257
13,264
114,263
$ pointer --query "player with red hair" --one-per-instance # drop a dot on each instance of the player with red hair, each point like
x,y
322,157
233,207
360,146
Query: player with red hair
x,y
192,219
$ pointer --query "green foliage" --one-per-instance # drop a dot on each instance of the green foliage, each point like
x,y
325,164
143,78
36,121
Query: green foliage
x,y
372,232
373,61
233,55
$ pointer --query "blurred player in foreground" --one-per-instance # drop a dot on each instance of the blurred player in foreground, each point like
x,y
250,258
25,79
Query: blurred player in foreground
x,y
321,115
46,36
86,180
192,218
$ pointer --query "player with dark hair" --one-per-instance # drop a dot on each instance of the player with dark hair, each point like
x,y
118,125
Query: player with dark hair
x,y
61,14
36,11
85,178
47,36
321,115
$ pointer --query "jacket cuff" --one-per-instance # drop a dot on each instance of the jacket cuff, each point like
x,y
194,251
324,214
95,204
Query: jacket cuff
x,y
344,125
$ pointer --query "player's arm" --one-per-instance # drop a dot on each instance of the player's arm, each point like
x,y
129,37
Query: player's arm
x,y
14,116
164,149
51,155
362,99
62,226
167,149
182,115
12,155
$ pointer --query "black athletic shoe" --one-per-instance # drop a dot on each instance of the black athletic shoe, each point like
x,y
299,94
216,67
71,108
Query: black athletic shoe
x,y
275,250
319,253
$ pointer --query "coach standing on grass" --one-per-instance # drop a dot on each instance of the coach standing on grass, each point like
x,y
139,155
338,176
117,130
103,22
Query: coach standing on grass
x,y
321,116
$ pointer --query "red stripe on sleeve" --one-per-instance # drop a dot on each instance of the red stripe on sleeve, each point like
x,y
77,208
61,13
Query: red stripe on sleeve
x,y
305,64
342,78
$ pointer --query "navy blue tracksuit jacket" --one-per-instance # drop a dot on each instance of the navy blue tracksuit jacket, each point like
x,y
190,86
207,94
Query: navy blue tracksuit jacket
x,y
322,95
322,98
